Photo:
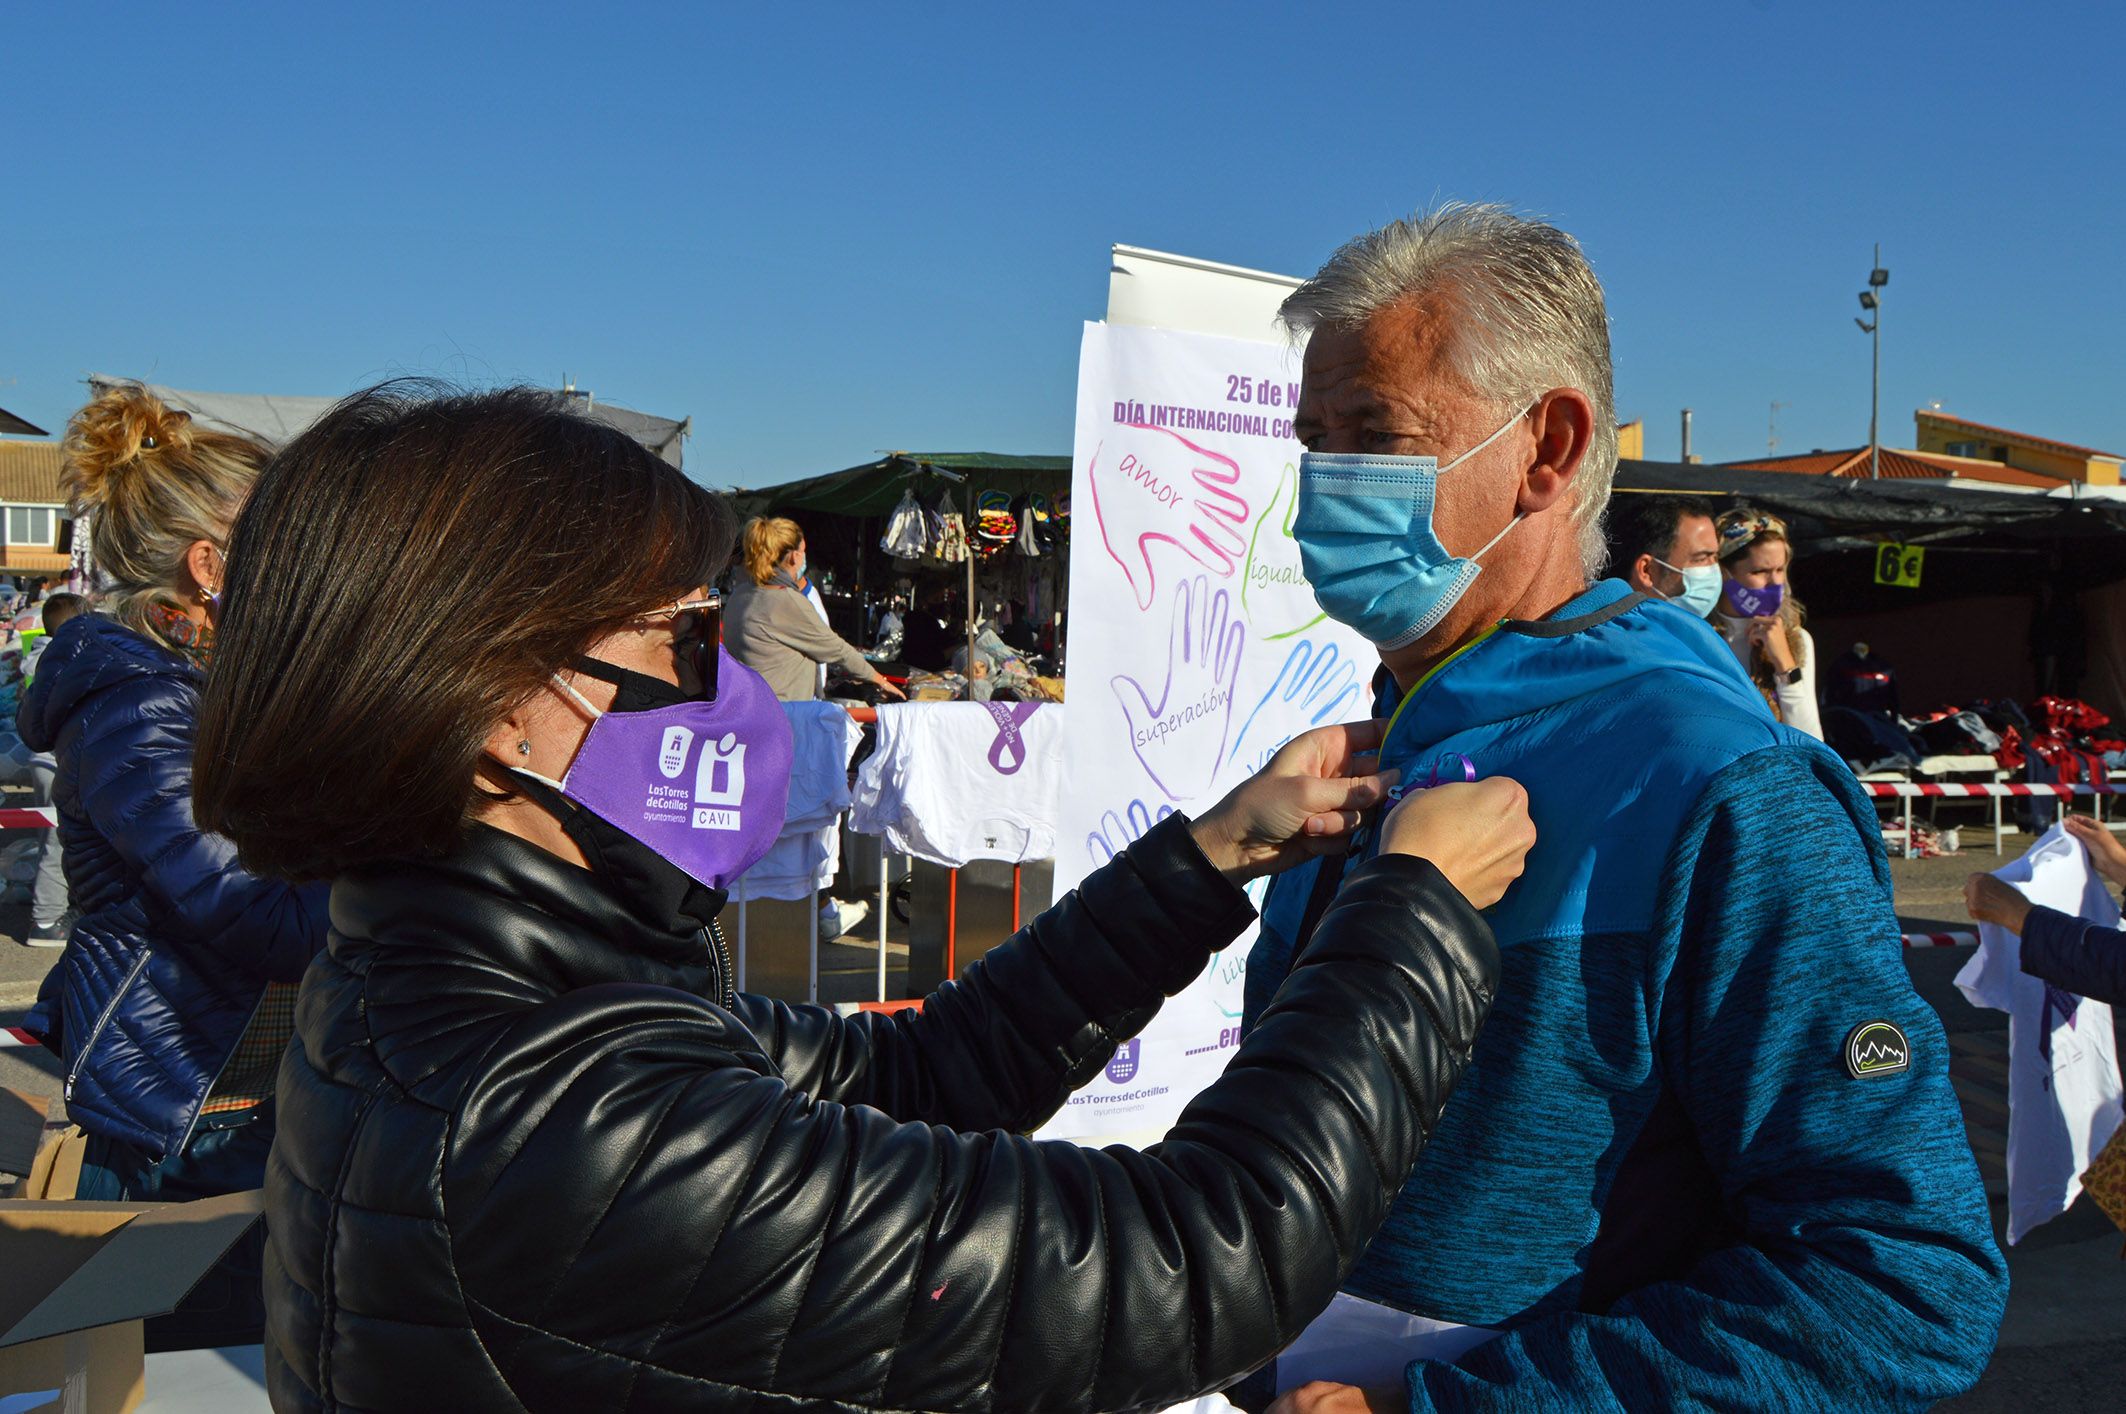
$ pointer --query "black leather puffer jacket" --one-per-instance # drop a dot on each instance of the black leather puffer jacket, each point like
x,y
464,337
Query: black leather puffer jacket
x,y
524,1161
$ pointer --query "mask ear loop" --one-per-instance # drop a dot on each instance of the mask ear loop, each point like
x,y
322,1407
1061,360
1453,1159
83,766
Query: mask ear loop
x,y
1504,428
578,698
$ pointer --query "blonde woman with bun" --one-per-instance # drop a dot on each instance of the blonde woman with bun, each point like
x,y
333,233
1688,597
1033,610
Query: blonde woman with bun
x,y
773,628
1761,619
175,996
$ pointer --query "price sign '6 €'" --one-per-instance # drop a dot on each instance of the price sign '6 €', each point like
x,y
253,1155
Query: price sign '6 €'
x,y
1153,488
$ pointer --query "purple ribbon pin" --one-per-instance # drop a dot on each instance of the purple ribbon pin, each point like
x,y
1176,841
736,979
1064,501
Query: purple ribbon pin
x,y
1433,778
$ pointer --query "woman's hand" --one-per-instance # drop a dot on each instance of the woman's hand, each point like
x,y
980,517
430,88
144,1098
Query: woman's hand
x,y
2106,854
1991,901
1768,636
1327,1397
1305,803
1478,834
890,688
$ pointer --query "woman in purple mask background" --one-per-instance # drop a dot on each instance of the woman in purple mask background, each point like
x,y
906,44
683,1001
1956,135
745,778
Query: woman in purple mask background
x,y
1762,620
534,1148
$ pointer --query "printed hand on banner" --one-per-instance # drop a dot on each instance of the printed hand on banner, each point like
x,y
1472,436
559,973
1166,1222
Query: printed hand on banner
x,y
1116,833
1317,684
1180,738
1152,487
1273,585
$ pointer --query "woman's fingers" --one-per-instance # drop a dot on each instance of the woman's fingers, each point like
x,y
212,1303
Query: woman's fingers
x,y
1332,750
1322,795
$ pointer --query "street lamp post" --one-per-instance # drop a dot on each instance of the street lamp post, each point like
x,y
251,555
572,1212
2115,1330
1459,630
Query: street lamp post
x,y
1871,300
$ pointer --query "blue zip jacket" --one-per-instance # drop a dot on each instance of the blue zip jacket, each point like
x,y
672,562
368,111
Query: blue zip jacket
x,y
1659,1177
175,942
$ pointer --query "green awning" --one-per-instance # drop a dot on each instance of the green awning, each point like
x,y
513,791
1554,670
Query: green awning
x,y
875,487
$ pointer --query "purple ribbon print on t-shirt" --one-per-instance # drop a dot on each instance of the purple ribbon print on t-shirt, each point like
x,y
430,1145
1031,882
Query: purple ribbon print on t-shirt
x,y
1008,752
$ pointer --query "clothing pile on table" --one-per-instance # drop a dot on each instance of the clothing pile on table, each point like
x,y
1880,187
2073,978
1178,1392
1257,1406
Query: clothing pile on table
x,y
955,781
933,528
808,853
2055,741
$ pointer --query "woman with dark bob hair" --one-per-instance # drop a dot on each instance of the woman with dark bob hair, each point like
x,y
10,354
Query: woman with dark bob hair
x,y
535,1151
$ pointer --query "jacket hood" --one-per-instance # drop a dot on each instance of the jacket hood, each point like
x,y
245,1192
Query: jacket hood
x,y
1605,637
89,653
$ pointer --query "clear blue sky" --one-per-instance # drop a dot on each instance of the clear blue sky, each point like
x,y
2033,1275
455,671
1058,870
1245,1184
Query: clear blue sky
x,y
824,230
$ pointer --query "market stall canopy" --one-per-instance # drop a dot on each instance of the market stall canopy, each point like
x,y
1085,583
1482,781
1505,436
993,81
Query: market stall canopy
x,y
1828,513
275,419
873,488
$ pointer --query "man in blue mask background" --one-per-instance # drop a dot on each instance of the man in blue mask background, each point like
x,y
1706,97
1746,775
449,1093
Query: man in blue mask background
x,y
1666,545
1707,1153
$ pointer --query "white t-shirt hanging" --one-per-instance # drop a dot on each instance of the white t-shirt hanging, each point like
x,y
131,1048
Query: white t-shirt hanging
x,y
955,781
2063,1066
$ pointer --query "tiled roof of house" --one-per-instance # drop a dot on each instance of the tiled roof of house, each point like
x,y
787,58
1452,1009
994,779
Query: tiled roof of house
x,y
29,474
1900,464
2019,436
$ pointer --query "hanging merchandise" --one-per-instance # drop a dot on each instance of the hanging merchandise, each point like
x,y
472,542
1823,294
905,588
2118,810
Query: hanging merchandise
x,y
933,524
1059,523
994,524
904,529
951,546
1029,536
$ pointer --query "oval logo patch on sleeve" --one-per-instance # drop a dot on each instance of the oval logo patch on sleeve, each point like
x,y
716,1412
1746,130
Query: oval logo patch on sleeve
x,y
1875,1049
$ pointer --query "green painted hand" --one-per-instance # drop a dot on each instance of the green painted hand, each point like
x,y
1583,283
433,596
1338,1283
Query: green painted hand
x,y
1274,594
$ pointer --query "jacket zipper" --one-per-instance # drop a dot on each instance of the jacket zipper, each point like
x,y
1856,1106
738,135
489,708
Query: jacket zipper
x,y
104,1019
221,1070
726,974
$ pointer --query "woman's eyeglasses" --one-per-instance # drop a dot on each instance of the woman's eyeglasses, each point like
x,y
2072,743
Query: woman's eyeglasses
x,y
697,630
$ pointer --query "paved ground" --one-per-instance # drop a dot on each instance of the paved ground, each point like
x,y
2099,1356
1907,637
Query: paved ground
x,y
2063,1347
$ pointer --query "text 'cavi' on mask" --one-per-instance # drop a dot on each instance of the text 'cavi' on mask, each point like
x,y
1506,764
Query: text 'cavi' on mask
x,y
1364,527
1751,603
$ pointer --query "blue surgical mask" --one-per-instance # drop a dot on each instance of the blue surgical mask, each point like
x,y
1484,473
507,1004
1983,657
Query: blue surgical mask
x,y
1364,527
1701,587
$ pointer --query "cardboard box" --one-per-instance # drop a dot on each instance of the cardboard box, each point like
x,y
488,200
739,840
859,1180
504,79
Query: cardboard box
x,y
80,1278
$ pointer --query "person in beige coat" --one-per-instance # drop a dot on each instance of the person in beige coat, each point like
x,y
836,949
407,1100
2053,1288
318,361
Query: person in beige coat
x,y
773,629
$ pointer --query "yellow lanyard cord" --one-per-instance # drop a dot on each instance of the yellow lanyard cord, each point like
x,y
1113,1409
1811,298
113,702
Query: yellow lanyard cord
x,y
1433,672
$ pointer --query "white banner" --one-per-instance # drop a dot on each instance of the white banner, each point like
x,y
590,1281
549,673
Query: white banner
x,y
1196,648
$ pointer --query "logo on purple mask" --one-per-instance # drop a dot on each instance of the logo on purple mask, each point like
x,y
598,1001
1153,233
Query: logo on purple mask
x,y
1123,1068
1008,752
1754,603
705,784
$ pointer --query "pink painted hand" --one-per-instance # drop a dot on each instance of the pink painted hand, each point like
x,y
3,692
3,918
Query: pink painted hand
x,y
1153,488
1180,736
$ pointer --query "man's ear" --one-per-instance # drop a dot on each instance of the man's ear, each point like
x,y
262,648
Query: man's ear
x,y
1563,421
1642,570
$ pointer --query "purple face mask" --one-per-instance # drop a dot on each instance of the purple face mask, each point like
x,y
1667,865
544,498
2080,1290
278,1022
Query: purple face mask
x,y
1754,603
704,784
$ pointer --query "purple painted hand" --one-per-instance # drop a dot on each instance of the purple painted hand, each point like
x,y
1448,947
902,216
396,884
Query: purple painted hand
x,y
1117,831
1152,487
1180,736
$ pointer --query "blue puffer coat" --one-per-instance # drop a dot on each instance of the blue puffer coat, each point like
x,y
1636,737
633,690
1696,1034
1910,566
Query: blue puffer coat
x,y
175,942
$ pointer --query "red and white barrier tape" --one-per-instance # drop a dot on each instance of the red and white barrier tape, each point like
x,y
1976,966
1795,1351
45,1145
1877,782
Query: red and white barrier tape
x,y
16,1036
1940,940
35,817
1892,788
